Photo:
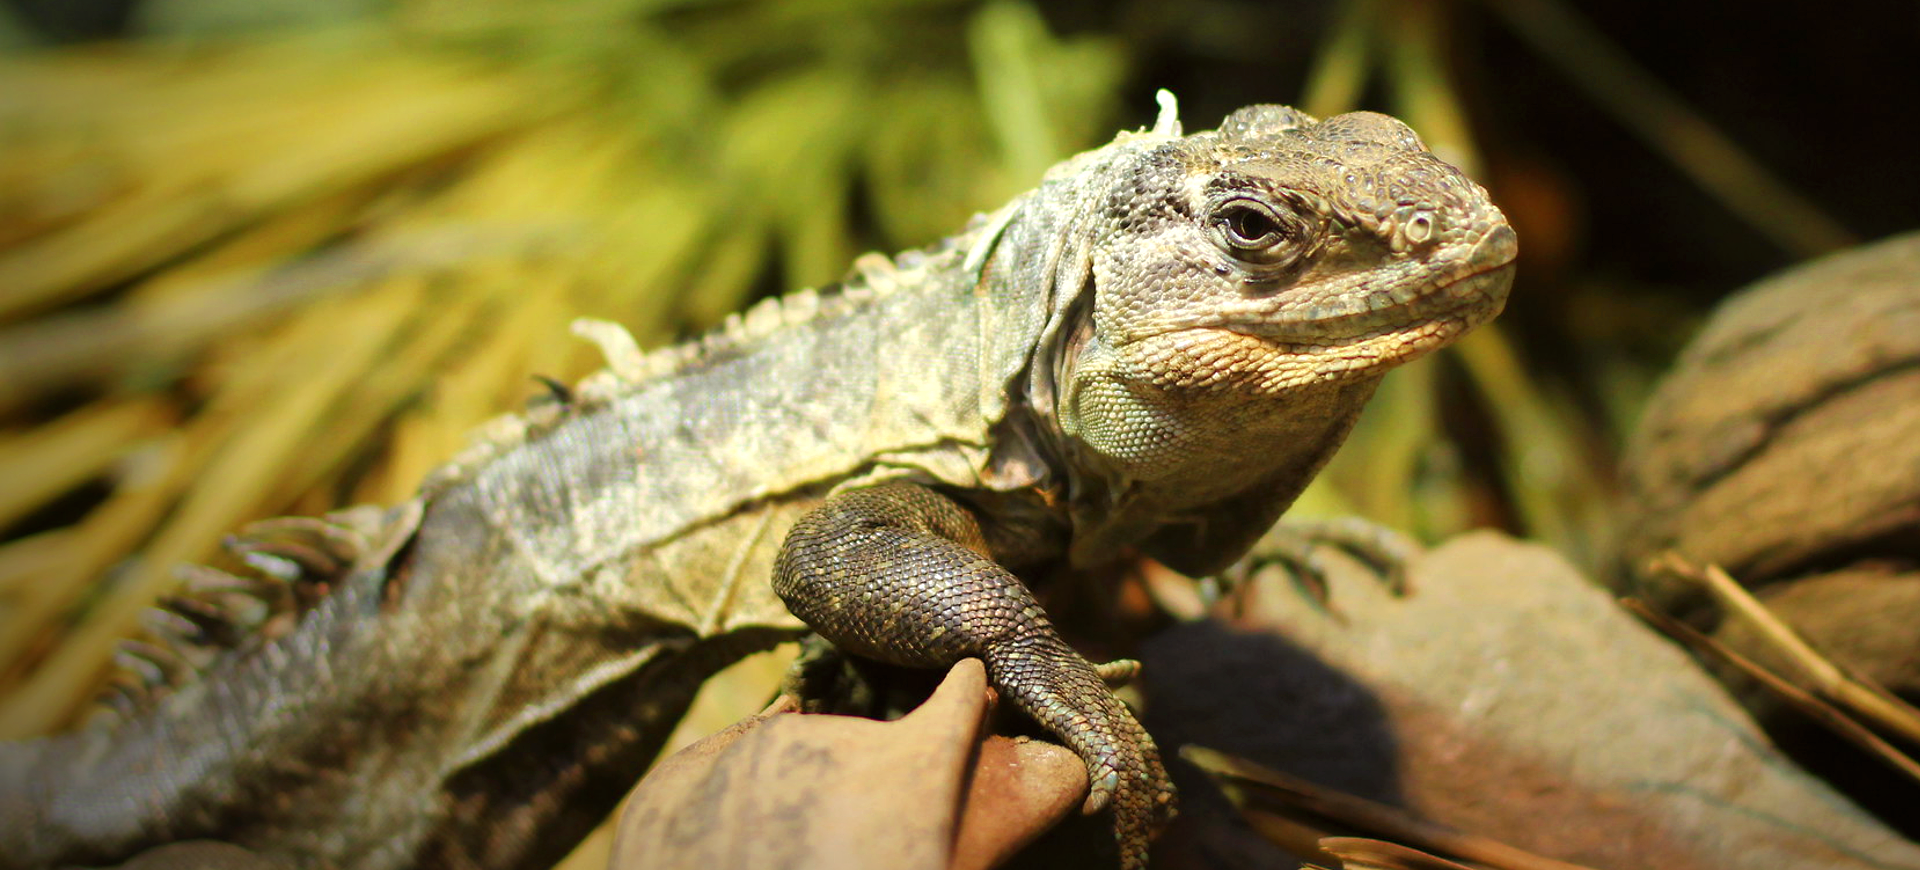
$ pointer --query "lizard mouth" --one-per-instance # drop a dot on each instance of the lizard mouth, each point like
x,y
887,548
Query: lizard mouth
x,y
1469,300
1362,328
1473,295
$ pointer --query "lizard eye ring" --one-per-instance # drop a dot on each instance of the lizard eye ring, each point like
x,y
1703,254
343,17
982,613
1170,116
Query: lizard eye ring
x,y
1253,231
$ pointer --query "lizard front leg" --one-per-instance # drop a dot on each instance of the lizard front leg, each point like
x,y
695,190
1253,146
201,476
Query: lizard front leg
x,y
901,574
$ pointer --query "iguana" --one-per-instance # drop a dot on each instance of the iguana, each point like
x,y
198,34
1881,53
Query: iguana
x,y
1152,352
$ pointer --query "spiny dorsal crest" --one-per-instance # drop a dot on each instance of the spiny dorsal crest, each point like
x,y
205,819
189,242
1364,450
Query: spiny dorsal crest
x,y
282,569
872,276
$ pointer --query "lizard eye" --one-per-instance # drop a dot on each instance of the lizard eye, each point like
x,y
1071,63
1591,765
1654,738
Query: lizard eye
x,y
1253,231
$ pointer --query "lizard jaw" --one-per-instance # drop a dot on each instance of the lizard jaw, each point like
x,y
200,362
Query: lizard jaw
x,y
1267,360
1344,312
1473,291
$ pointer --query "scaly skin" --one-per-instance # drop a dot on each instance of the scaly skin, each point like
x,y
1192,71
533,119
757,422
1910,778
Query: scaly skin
x,y
902,574
1248,290
1153,352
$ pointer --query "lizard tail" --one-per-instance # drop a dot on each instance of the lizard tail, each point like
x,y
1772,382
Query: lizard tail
x,y
89,796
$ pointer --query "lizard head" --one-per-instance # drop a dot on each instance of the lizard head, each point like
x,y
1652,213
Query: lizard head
x,y
1249,280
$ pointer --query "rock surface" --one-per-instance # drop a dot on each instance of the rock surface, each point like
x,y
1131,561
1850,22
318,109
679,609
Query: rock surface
x,y
1507,697
931,791
1786,445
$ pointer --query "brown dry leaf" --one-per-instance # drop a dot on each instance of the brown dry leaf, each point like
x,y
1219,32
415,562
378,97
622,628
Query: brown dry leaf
x,y
930,790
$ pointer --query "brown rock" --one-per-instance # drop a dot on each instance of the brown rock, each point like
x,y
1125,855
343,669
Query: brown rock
x,y
931,790
1511,698
1788,434
1830,609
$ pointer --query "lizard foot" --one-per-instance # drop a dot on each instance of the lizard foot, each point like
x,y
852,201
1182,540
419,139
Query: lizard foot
x,y
900,574
1069,696
822,679
1299,549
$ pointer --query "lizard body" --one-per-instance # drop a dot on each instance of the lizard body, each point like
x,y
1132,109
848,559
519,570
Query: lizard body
x,y
1157,348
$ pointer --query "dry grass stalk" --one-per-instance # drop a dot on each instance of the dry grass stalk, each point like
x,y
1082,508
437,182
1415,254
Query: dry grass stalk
x,y
1358,813
1854,691
1816,708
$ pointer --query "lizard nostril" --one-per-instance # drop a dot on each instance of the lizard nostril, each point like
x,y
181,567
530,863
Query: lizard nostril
x,y
1420,228
1411,231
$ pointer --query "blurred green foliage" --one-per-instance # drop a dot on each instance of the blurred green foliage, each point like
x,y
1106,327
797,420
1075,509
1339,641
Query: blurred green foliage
x,y
273,256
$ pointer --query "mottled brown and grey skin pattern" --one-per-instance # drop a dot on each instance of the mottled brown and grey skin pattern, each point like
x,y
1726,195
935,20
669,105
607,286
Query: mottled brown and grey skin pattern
x,y
1155,350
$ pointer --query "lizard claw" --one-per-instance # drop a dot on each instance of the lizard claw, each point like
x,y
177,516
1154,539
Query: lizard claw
x,y
1118,673
1139,794
1102,783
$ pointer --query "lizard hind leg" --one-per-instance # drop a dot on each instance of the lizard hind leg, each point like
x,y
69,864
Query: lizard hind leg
x,y
901,574
827,679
